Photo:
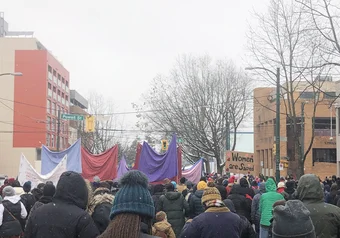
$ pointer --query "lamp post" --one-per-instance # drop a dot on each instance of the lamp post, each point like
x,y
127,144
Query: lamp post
x,y
277,121
12,74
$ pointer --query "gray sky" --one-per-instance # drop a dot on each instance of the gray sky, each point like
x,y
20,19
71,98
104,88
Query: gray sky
x,y
117,47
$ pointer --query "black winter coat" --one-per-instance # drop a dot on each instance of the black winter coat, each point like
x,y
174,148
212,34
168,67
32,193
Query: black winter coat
x,y
65,217
241,203
155,199
175,207
101,216
28,200
247,231
195,204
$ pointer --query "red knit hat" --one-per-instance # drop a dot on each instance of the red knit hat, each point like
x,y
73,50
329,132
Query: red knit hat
x,y
231,179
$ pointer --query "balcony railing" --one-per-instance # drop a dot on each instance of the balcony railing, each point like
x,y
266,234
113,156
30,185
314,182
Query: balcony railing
x,y
324,132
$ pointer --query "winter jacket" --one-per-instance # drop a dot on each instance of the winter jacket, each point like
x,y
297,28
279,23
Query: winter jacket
x,y
255,207
267,200
195,204
43,200
206,225
65,217
28,200
247,231
238,196
222,191
174,205
331,196
288,196
325,217
163,227
13,205
155,199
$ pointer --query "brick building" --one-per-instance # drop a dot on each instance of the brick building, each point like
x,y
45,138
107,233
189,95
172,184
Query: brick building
x,y
321,159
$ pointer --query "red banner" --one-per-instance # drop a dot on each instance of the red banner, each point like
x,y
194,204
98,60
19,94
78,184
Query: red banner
x,y
103,165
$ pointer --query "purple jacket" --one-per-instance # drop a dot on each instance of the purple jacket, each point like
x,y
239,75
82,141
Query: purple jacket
x,y
215,222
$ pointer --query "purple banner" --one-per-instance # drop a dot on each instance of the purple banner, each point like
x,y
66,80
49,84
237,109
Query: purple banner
x,y
158,167
194,173
122,168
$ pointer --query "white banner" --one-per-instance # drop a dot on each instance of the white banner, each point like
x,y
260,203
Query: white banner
x,y
28,173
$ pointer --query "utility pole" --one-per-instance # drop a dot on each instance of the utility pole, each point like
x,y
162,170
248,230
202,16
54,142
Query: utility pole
x,y
277,125
302,141
58,132
227,133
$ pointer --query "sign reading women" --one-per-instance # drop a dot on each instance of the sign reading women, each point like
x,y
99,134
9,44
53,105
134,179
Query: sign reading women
x,y
241,162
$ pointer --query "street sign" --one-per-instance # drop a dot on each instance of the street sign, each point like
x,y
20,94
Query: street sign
x,y
281,166
72,117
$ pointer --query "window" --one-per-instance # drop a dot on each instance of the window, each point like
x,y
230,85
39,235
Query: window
x,y
49,69
59,77
63,80
62,95
53,125
53,109
48,137
54,73
324,155
58,92
66,83
52,141
308,95
48,106
66,97
49,86
48,123
329,95
54,89
324,123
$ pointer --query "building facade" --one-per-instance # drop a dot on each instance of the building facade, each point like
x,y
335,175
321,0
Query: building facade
x,y
30,103
321,159
78,106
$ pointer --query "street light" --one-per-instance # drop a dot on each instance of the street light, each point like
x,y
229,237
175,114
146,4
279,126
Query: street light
x,y
277,124
12,74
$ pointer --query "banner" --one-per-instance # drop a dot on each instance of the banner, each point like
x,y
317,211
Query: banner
x,y
50,159
103,165
137,159
28,173
122,168
194,174
158,167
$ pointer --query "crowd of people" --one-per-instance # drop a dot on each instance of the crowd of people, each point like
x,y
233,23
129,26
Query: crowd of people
x,y
217,206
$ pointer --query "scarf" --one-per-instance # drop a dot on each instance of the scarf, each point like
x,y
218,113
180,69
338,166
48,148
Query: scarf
x,y
214,203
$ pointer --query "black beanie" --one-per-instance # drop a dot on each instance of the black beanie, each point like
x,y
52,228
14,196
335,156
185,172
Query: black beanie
x,y
294,216
49,190
27,187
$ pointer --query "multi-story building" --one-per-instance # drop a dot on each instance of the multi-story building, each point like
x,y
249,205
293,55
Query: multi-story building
x,y
29,104
78,106
322,156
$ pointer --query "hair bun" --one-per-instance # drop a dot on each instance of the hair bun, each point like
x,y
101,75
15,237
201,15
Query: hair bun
x,y
133,178
211,184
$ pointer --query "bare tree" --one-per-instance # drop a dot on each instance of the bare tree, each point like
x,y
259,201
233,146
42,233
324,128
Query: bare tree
x,y
196,101
106,124
286,38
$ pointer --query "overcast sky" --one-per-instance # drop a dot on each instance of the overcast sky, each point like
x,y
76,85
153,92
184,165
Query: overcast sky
x,y
117,47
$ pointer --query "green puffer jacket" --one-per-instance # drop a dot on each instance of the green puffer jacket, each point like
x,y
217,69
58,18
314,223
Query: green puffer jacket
x,y
175,207
267,200
325,217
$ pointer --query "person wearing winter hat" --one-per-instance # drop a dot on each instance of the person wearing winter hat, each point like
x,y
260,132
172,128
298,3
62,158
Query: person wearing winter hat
x,y
65,216
231,182
27,198
132,210
289,192
182,186
281,187
206,225
162,228
175,206
195,202
295,216
11,208
17,187
48,193
175,185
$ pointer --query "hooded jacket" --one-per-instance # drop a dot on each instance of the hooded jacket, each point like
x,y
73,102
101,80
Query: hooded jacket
x,y
195,204
325,217
255,206
241,202
67,210
174,205
164,227
267,200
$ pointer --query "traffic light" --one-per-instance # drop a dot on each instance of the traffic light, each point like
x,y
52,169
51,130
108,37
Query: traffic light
x,y
165,145
90,124
274,149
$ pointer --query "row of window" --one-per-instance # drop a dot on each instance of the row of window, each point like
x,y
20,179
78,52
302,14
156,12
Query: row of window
x,y
54,76
51,141
57,95
52,125
316,95
53,108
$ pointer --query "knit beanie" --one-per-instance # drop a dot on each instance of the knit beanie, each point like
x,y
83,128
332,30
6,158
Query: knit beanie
x,y
174,183
231,179
211,193
160,216
201,185
8,191
295,216
133,196
49,190
244,183
27,186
